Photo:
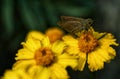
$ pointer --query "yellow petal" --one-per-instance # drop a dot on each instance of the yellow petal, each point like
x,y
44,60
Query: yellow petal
x,y
46,42
31,44
43,74
22,74
24,54
112,52
69,40
81,61
108,40
10,75
58,47
94,62
35,70
35,34
58,71
16,74
67,60
97,34
73,50
23,64
103,53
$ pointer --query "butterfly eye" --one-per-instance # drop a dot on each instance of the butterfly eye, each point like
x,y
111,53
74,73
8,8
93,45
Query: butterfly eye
x,y
89,21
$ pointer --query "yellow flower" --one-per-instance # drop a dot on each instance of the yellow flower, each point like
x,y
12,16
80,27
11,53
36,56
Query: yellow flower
x,y
16,74
93,47
43,59
35,34
53,34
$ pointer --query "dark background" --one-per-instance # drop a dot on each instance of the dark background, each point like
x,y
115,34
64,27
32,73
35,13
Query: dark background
x,y
18,17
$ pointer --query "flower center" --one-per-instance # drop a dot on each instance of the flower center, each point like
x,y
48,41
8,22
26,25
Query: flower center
x,y
44,56
87,42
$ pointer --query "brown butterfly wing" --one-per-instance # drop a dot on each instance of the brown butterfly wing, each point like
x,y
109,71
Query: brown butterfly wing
x,y
70,18
73,24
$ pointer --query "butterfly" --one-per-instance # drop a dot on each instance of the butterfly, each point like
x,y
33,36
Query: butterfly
x,y
74,25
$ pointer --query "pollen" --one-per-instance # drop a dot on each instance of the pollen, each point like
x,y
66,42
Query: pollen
x,y
44,57
87,42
